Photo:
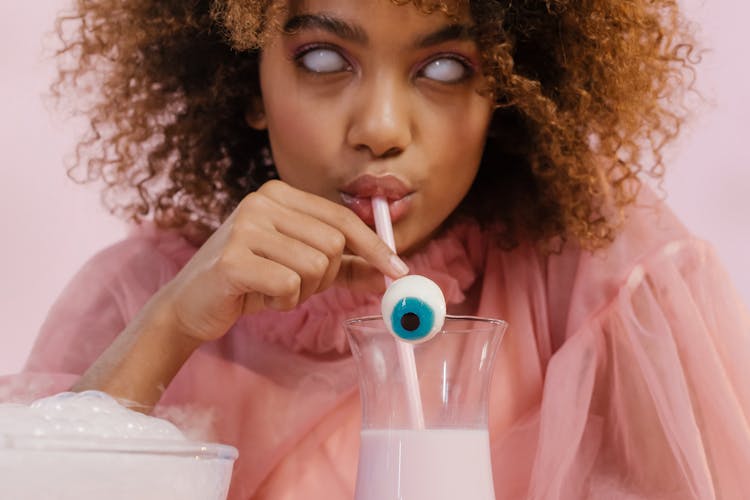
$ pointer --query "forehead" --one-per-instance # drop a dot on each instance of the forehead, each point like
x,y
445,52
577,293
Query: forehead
x,y
250,24
406,11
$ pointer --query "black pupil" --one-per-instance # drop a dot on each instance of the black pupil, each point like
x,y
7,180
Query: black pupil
x,y
410,322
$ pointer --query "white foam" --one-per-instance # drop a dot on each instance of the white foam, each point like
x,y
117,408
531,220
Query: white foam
x,y
88,414
86,446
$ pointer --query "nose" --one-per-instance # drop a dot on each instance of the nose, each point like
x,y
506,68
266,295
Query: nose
x,y
381,121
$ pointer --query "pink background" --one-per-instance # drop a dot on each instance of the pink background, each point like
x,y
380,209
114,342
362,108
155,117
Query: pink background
x,y
51,225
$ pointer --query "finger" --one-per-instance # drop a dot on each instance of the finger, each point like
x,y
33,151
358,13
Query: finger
x,y
329,277
310,230
248,273
360,238
357,274
309,263
298,226
253,302
283,303
316,234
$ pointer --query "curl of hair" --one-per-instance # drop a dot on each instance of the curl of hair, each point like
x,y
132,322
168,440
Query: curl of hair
x,y
587,95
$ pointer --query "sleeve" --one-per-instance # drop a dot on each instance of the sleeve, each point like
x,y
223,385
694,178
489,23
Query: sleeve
x,y
650,396
97,304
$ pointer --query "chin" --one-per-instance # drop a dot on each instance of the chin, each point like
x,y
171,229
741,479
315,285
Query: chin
x,y
413,242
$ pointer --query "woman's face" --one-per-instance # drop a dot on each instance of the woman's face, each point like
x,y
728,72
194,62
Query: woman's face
x,y
365,98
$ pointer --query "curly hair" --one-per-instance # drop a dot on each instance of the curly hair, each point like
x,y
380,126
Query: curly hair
x,y
587,95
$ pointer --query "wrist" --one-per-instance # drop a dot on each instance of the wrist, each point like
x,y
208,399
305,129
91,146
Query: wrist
x,y
187,316
143,360
158,320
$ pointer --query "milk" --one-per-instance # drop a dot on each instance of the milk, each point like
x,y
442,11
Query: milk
x,y
88,447
434,464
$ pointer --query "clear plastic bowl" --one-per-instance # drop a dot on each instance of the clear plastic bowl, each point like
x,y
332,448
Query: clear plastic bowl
x,y
80,468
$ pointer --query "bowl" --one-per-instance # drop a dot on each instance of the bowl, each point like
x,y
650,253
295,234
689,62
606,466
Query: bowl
x,y
95,468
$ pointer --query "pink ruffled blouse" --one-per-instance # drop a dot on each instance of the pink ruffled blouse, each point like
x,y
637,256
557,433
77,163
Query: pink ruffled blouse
x,y
624,374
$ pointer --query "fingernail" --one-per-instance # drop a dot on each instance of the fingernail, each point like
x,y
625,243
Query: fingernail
x,y
399,265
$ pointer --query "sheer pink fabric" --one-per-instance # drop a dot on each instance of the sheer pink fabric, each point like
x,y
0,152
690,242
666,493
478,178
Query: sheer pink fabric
x,y
624,374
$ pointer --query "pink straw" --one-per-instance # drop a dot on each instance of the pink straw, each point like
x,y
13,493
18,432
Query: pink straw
x,y
384,229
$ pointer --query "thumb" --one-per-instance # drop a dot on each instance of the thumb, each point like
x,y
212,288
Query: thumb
x,y
358,275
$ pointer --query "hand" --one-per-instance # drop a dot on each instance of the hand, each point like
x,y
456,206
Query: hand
x,y
279,247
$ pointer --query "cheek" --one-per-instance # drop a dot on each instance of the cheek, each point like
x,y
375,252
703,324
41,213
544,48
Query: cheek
x,y
461,134
457,151
300,139
297,129
292,128
472,131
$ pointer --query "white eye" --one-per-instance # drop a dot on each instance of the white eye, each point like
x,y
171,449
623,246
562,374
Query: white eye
x,y
413,308
446,70
323,61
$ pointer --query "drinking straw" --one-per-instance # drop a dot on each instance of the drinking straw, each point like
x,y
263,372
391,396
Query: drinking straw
x,y
405,350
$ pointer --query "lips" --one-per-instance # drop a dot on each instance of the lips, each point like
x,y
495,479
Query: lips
x,y
358,194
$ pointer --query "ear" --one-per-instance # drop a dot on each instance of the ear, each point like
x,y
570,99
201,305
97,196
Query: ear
x,y
255,115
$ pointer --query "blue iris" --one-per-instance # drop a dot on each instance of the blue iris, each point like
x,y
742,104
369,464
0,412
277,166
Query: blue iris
x,y
412,319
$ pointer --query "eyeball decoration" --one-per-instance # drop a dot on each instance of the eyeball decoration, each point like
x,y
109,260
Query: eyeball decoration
x,y
413,308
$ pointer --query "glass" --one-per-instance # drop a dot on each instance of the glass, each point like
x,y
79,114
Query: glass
x,y
59,468
448,457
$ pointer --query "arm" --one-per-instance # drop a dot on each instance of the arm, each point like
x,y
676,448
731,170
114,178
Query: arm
x,y
142,361
279,247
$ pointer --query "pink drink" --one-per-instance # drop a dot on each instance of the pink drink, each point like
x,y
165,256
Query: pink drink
x,y
439,464
445,456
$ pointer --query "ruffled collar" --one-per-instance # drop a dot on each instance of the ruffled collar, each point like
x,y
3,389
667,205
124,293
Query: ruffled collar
x,y
453,260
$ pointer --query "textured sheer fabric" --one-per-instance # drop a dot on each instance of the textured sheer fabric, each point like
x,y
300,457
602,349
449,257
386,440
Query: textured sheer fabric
x,y
623,374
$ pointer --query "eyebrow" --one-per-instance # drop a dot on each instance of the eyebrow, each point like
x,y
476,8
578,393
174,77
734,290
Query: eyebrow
x,y
447,33
324,22
357,34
